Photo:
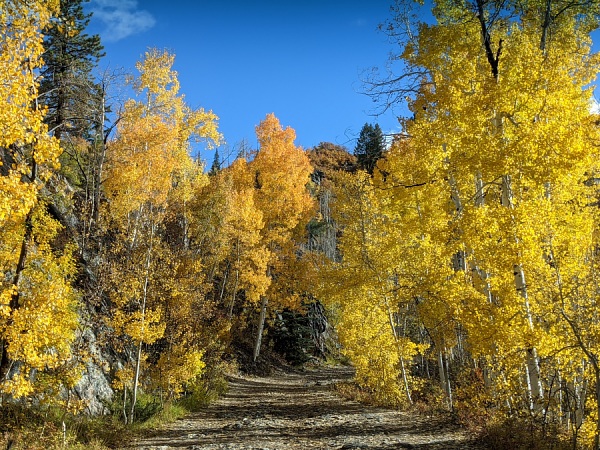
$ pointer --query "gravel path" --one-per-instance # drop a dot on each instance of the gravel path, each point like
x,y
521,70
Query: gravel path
x,y
301,411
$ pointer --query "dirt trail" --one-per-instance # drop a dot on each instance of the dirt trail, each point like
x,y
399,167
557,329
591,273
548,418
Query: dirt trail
x,y
300,411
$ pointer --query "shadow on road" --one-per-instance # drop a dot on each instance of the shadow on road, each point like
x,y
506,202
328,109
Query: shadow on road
x,y
299,411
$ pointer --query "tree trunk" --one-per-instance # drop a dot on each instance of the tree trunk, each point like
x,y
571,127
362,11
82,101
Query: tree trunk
x,y
402,368
479,193
233,294
546,25
261,326
445,376
534,382
5,361
100,158
597,379
143,306
125,418
136,379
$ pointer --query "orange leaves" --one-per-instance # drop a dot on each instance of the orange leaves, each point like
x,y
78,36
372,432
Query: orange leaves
x,y
282,172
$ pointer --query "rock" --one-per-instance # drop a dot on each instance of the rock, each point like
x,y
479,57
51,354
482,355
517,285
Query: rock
x,y
94,386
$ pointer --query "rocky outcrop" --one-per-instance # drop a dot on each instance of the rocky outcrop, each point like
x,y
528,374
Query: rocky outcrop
x,y
94,387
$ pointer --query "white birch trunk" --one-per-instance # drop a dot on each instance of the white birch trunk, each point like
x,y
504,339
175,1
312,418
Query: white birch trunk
x,y
143,308
534,382
444,376
261,327
581,392
556,393
233,294
479,194
402,367
448,385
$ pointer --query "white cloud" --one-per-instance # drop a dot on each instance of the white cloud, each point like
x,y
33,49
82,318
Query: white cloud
x,y
121,18
594,106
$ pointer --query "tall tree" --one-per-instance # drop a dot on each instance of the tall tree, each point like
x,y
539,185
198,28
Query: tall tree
x,y
68,89
281,173
363,285
37,300
370,147
216,165
502,128
148,160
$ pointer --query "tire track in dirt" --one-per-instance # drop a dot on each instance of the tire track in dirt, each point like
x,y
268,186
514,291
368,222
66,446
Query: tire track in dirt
x,y
301,411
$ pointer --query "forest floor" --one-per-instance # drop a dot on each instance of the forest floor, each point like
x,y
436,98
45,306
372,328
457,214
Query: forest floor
x,y
300,410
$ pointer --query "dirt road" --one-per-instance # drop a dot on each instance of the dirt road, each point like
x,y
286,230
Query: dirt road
x,y
300,411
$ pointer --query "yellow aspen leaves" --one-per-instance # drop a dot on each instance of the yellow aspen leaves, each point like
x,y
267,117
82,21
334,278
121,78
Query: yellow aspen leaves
x,y
480,227
38,316
150,183
41,330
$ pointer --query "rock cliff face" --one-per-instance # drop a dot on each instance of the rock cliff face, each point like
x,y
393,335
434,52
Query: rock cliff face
x,y
94,387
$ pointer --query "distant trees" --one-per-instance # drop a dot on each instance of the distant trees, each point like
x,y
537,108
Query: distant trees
x,y
216,165
328,161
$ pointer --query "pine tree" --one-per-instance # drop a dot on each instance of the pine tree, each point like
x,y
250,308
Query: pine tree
x,y
67,87
369,147
216,165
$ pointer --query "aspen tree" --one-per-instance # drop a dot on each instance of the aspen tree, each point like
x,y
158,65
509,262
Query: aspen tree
x,y
367,284
227,227
502,118
37,301
148,155
281,173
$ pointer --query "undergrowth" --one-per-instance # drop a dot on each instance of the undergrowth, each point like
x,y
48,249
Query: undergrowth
x,y
27,427
490,428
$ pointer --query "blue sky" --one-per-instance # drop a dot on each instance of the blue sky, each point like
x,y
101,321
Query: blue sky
x,y
301,60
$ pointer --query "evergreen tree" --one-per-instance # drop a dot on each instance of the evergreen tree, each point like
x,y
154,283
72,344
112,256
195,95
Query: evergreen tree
x,y
216,165
369,147
67,86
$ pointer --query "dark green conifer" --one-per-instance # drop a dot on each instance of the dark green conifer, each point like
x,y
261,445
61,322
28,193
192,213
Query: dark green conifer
x,y
216,165
369,147
68,88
